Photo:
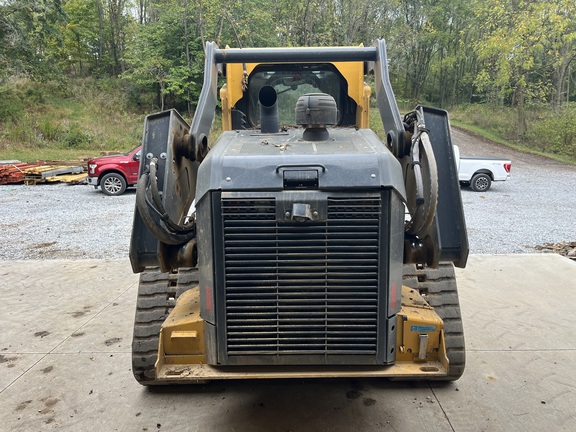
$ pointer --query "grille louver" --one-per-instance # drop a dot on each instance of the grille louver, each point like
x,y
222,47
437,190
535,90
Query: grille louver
x,y
301,288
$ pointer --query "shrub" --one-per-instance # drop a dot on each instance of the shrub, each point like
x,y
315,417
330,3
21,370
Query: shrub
x,y
50,131
555,134
75,137
11,106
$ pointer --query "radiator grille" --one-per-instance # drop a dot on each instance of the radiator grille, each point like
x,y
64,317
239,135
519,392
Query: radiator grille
x,y
301,288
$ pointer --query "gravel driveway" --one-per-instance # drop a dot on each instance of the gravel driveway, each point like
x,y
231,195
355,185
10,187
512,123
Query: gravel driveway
x,y
48,221
536,205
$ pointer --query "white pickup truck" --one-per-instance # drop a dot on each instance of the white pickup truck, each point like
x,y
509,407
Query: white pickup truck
x,y
480,172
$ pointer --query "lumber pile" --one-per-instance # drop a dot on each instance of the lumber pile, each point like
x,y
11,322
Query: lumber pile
x,y
30,174
69,178
13,172
43,173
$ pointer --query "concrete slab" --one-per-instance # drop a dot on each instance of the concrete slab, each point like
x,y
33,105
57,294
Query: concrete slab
x,y
519,374
45,302
518,302
109,331
13,366
513,391
96,392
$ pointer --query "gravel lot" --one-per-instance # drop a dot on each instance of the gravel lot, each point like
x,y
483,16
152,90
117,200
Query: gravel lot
x,y
49,221
536,205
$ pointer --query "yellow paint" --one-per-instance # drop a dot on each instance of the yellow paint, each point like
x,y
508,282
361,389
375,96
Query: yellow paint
x,y
182,334
417,317
190,373
226,116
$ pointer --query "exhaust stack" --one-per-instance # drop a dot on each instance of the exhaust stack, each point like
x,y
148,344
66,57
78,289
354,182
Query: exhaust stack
x,y
268,99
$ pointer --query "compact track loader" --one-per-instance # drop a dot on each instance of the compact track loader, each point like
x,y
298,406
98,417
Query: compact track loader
x,y
298,244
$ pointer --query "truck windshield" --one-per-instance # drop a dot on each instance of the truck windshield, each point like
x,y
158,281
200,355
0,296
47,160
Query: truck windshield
x,y
291,82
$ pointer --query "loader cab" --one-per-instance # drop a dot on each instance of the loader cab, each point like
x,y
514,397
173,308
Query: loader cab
x,y
343,81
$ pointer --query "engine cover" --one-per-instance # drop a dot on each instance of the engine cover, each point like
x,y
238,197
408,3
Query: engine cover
x,y
300,249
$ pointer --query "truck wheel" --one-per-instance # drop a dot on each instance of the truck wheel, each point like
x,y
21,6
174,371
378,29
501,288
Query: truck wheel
x,y
438,287
480,182
113,184
157,295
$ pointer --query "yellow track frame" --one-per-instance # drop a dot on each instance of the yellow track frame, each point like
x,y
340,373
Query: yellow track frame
x,y
181,356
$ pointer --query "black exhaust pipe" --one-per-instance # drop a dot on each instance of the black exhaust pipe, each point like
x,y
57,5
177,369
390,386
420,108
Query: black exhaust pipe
x,y
268,99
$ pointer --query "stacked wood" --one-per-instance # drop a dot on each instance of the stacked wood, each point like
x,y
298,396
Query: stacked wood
x,y
20,172
42,173
13,172
69,178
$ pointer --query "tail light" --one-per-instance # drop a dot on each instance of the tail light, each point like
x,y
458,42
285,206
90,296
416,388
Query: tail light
x,y
508,167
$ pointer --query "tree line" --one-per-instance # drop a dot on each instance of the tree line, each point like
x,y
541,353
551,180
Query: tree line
x,y
514,53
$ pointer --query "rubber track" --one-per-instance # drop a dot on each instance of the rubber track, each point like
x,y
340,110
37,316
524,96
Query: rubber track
x,y
438,286
157,294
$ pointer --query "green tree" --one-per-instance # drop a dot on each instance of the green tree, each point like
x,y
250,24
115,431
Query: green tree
x,y
30,37
305,22
165,56
510,49
452,65
96,36
82,37
248,23
413,45
560,47
118,21
361,22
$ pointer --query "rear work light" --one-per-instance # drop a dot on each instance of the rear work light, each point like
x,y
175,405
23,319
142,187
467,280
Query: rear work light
x,y
508,167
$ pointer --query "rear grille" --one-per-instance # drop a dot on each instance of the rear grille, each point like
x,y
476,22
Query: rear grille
x,y
301,288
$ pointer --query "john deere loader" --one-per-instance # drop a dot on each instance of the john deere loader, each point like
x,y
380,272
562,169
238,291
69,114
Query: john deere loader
x,y
298,244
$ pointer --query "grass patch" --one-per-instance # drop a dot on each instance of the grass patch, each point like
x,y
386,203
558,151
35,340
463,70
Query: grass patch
x,y
58,121
48,154
376,124
475,130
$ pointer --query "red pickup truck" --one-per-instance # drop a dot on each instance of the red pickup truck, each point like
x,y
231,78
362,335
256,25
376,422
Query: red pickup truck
x,y
115,173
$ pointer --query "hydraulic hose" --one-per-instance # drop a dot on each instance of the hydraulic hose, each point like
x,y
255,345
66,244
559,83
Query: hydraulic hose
x,y
157,205
425,177
144,206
